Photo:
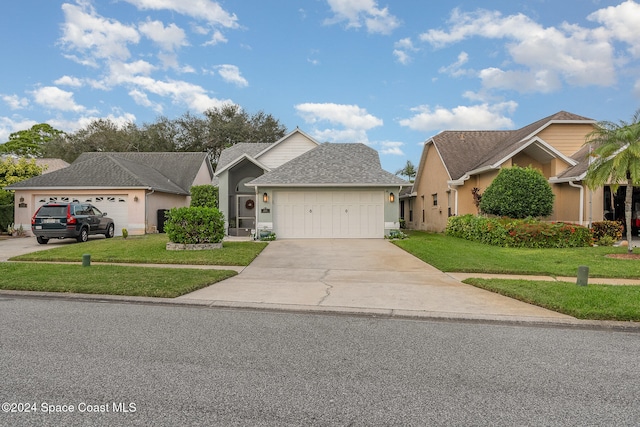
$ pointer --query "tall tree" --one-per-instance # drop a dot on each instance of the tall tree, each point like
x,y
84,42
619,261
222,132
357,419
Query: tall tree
x,y
408,170
615,160
30,142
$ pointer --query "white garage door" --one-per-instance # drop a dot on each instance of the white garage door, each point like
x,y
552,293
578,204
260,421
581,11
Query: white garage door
x,y
115,206
329,214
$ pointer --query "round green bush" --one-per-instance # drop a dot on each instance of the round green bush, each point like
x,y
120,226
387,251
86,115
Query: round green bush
x,y
192,225
518,193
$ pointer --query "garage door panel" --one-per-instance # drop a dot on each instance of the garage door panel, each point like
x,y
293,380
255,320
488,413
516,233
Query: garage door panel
x,y
329,214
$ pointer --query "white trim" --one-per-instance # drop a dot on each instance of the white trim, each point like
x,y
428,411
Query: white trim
x,y
238,160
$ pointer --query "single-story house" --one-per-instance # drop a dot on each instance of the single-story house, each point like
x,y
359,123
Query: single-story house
x,y
299,188
133,188
454,163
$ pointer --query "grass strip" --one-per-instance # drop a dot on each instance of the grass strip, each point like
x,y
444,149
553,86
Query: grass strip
x,y
107,279
594,302
147,249
454,254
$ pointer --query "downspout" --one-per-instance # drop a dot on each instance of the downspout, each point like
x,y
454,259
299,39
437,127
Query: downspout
x,y
455,200
581,215
146,204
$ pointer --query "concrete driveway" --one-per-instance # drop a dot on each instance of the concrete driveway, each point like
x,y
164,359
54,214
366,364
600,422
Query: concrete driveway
x,y
353,274
24,245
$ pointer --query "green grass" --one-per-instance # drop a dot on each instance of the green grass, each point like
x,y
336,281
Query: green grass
x,y
454,254
147,249
107,279
596,302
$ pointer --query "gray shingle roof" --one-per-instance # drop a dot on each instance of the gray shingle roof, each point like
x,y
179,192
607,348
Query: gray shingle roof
x,y
464,151
230,154
164,172
332,164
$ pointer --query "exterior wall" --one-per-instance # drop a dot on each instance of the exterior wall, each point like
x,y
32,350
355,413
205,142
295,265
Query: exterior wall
x,y
203,177
155,202
286,150
223,197
433,181
566,206
566,138
523,160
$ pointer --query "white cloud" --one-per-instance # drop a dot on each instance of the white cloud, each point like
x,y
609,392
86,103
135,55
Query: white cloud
x,y
141,98
169,38
9,125
456,69
621,22
363,12
216,38
56,99
72,125
15,102
350,116
402,50
353,120
392,147
231,74
475,117
209,11
569,53
68,81
95,36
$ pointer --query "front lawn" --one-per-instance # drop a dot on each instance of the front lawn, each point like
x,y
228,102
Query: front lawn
x,y
147,249
596,302
107,279
454,254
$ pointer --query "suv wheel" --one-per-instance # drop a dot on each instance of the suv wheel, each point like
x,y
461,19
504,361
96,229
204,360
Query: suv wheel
x,y
84,235
110,231
42,240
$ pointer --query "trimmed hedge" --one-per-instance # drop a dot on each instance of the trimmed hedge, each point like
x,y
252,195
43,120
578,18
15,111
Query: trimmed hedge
x,y
518,233
192,225
204,196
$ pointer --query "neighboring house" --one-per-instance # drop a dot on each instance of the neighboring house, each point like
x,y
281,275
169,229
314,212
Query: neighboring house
x,y
51,165
132,188
298,188
453,163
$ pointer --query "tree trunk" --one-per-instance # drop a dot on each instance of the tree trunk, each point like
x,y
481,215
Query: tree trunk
x,y
627,214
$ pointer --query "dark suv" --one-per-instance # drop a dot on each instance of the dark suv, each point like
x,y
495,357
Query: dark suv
x,y
75,220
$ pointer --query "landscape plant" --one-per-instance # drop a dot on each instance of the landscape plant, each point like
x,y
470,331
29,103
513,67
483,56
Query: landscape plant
x,y
204,196
194,225
518,193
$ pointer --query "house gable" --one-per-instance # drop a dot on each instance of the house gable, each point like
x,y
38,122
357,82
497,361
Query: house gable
x,y
287,148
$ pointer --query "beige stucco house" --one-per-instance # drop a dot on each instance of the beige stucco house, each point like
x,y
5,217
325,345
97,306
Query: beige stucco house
x,y
453,163
132,188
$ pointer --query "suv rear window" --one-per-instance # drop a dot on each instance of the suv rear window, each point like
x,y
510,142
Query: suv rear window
x,y
53,211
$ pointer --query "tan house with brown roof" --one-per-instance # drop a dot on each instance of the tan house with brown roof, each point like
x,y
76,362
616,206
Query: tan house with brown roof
x,y
453,163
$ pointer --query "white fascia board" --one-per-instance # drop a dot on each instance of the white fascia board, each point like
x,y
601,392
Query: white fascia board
x,y
81,188
238,160
556,180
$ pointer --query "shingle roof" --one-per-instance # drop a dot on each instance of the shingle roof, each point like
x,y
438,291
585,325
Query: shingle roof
x,y
464,151
332,164
577,171
232,153
164,172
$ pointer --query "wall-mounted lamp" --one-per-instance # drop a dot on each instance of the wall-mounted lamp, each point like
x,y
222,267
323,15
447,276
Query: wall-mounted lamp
x,y
265,197
135,198
392,198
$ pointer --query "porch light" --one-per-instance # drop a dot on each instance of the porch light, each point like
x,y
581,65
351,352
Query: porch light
x,y
392,198
265,197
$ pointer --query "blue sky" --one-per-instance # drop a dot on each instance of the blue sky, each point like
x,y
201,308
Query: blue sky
x,y
388,74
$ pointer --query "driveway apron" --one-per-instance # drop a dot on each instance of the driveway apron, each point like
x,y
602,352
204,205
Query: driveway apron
x,y
365,274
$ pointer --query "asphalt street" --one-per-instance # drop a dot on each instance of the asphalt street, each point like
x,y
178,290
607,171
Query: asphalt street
x,y
129,364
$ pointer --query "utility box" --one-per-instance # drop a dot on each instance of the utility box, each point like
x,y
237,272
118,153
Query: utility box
x,y
162,217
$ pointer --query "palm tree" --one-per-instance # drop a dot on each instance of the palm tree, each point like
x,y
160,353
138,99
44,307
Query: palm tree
x,y
615,160
408,170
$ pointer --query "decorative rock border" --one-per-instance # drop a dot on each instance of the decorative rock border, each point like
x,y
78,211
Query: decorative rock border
x,y
192,246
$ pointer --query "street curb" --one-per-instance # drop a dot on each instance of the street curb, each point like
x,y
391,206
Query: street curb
x,y
346,311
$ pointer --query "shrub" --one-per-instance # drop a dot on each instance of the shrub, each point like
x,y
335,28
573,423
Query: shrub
x,y
192,225
125,233
204,196
518,193
611,229
6,216
521,233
